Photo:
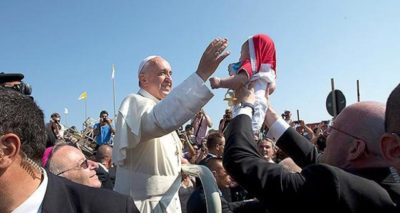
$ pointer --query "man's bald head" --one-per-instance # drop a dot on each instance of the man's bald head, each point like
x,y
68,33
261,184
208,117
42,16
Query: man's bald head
x,y
392,116
104,155
222,178
366,120
353,140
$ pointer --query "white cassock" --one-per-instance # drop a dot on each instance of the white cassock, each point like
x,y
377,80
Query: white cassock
x,y
147,150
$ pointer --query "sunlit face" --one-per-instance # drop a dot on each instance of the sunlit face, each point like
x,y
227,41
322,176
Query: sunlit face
x,y
266,148
74,166
337,145
222,177
189,131
10,83
104,115
221,147
157,78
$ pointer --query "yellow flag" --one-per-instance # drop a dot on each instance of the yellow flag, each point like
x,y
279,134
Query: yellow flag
x,y
83,96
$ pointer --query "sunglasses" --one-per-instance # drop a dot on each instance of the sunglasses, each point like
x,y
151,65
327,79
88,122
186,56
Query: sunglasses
x,y
83,165
329,131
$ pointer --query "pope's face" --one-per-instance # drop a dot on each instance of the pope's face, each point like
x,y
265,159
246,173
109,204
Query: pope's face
x,y
158,79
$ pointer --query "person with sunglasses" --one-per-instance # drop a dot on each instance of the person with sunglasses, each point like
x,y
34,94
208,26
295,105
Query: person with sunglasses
x,y
69,162
27,187
351,175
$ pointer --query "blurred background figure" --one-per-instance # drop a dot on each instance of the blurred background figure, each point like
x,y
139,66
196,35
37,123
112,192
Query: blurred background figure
x,y
189,131
197,201
268,150
14,81
106,170
287,116
201,122
56,127
223,123
215,146
103,130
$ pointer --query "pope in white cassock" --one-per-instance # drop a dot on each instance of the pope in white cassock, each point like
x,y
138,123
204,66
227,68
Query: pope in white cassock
x,y
146,149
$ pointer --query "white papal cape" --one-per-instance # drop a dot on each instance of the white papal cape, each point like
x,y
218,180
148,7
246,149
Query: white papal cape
x,y
147,150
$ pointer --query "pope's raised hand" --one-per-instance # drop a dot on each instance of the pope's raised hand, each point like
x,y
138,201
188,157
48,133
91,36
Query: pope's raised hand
x,y
213,55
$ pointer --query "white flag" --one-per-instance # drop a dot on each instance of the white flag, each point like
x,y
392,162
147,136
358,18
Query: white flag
x,y
65,111
113,72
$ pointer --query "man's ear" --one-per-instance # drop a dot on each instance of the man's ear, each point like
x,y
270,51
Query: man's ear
x,y
390,147
10,146
357,149
215,174
142,79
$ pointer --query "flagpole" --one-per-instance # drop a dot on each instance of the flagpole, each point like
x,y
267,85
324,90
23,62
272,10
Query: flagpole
x,y
85,109
66,118
83,97
113,84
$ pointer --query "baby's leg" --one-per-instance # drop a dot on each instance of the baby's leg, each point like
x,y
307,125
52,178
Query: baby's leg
x,y
272,87
260,105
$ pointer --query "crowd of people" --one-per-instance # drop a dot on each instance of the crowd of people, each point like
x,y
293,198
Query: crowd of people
x,y
349,164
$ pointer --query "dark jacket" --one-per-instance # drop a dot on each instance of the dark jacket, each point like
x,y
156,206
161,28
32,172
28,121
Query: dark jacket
x,y
107,181
197,204
318,188
63,195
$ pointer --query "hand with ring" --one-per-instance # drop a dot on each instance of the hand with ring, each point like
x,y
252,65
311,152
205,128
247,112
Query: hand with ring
x,y
212,57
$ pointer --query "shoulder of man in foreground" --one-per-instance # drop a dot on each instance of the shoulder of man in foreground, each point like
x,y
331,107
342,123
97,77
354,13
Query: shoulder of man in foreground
x,y
317,185
63,195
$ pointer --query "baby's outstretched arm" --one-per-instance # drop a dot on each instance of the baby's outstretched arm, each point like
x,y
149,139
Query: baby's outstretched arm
x,y
231,82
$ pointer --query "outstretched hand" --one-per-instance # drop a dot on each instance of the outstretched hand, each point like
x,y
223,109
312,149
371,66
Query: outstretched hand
x,y
215,82
213,55
270,116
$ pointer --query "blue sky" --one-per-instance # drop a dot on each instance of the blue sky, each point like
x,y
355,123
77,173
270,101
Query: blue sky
x,y
66,47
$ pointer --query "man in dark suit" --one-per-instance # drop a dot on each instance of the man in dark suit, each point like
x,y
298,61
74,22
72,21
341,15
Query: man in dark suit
x,y
105,171
24,185
215,146
355,178
197,200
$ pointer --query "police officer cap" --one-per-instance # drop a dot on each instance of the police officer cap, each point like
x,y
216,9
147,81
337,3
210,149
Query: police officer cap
x,y
9,77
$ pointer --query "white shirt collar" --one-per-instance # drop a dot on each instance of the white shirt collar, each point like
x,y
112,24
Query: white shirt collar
x,y
212,155
104,167
148,95
34,202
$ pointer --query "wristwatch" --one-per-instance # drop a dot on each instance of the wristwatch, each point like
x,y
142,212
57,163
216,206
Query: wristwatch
x,y
247,104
